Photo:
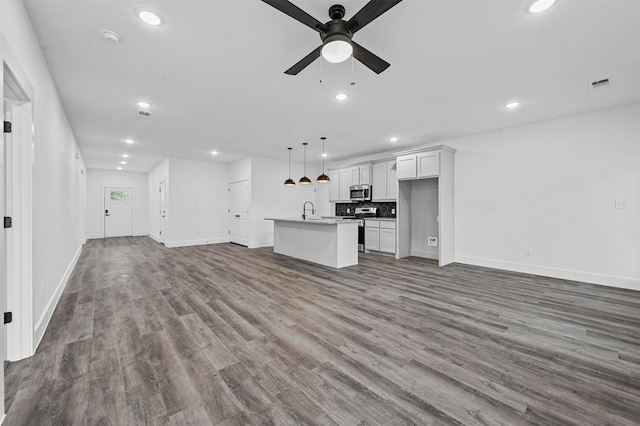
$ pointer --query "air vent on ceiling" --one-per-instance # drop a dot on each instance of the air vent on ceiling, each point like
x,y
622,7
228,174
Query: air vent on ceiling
x,y
600,84
144,114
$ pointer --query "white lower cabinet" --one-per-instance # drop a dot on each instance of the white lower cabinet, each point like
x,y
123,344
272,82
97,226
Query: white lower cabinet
x,y
371,237
380,236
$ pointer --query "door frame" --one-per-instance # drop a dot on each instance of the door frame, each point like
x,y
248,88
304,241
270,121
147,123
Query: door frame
x,y
248,217
133,208
17,283
161,236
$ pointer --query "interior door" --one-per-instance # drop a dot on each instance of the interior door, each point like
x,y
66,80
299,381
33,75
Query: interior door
x,y
118,212
239,200
163,210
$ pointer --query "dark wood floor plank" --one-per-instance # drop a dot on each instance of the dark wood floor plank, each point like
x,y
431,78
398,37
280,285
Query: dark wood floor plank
x,y
223,335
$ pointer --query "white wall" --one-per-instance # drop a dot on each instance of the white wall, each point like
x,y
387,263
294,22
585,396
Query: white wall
x,y
198,203
97,180
58,212
270,198
154,177
555,184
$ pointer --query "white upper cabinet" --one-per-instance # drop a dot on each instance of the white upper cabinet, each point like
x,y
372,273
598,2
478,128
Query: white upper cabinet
x,y
342,179
334,186
345,184
428,164
365,175
418,166
407,167
384,181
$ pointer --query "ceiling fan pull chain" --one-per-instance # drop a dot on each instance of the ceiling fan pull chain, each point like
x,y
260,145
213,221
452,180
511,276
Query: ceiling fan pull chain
x,y
353,80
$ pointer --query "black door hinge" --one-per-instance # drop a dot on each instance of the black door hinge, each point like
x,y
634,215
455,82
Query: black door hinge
x,y
8,223
8,317
7,127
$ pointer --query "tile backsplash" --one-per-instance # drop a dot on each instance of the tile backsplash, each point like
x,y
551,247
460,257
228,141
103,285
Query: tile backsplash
x,y
384,209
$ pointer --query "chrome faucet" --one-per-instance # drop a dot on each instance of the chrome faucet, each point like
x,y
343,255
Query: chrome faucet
x,y
304,210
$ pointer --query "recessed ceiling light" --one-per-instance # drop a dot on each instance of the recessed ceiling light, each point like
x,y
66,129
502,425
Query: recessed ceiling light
x,y
128,140
541,6
143,104
125,155
110,36
123,162
119,168
324,154
512,105
149,17
393,139
341,96
214,152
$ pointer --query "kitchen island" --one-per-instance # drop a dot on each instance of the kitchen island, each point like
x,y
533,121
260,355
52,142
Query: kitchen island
x,y
329,242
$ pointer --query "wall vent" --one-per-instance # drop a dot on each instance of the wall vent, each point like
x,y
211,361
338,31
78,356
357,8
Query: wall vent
x,y
144,114
600,84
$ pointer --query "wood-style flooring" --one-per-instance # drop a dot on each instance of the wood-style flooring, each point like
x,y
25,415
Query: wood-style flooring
x,y
224,335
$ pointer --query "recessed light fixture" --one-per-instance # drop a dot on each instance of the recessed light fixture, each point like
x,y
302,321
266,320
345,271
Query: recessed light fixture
x,y
149,17
119,168
324,154
541,6
123,162
143,104
512,105
341,96
214,152
393,139
125,155
128,140
110,36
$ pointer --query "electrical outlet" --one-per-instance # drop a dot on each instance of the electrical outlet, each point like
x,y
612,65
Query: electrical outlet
x,y
432,241
528,252
622,204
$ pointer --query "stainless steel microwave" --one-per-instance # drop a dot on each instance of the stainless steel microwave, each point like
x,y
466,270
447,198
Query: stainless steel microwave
x,y
360,192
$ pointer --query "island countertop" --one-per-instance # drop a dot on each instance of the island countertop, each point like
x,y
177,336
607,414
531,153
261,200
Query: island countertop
x,y
311,221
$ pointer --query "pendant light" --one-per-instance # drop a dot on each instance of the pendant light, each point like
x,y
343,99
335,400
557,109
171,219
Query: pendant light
x,y
323,178
304,180
289,182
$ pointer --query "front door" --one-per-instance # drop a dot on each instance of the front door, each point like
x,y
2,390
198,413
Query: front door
x,y
239,200
163,210
118,212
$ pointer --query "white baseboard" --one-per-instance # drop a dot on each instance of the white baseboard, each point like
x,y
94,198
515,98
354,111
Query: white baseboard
x,y
565,274
425,253
173,244
261,244
43,321
93,236
140,234
154,237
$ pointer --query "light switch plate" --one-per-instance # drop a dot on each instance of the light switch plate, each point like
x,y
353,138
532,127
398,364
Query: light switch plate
x,y
622,204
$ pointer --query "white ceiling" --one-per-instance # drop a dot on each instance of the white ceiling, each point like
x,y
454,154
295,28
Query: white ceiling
x,y
214,73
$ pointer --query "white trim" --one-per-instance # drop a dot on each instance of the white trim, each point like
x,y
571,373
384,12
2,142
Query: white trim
x,y
268,243
43,322
154,237
93,236
586,277
173,244
425,253
140,234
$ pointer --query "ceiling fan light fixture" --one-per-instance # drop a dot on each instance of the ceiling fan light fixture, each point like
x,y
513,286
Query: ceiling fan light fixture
x,y
541,6
337,48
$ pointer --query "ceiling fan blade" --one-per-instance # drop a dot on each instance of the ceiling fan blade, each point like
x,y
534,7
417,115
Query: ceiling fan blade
x,y
368,59
298,14
304,62
368,13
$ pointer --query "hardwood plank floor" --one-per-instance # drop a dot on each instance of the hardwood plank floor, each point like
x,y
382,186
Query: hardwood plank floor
x,y
224,335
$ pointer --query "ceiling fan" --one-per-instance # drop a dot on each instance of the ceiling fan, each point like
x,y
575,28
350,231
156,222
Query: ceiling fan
x,y
336,35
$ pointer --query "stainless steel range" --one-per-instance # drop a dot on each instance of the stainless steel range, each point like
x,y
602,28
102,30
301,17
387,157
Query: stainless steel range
x,y
361,214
